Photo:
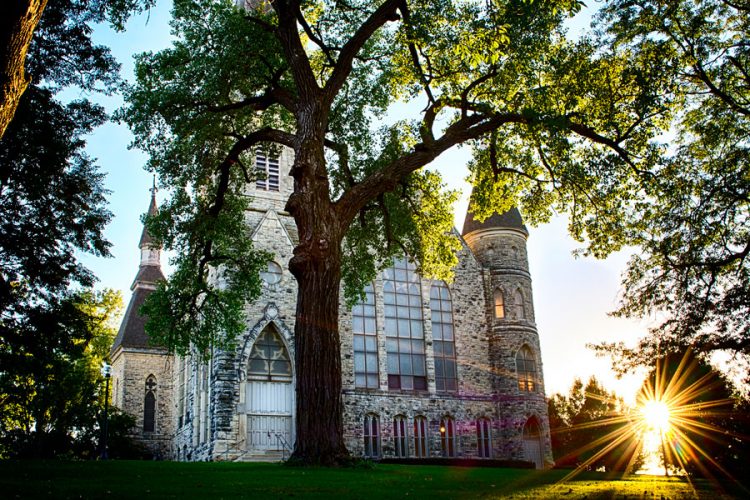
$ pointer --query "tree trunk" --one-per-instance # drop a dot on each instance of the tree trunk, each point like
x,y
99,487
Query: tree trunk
x,y
18,20
318,365
317,267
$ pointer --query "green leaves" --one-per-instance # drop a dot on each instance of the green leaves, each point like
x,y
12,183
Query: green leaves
x,y
694,227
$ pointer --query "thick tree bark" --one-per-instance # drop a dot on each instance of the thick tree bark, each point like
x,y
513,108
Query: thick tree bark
x,y
18,20
318,364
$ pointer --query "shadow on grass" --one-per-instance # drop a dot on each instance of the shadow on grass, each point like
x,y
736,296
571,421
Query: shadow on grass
x,y
133,479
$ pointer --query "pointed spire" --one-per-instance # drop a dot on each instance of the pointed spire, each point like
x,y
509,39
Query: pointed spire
x,y
146,239
132,332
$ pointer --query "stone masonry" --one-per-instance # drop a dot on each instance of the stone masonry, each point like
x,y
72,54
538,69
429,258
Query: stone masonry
x,y
222,409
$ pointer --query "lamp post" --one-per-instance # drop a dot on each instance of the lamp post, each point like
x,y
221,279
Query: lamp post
x,y
106,372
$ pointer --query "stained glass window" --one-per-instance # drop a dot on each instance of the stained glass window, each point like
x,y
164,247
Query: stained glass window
x,y
484,441
372,436
269,358
526,370
400,443
420,437
443,343
149,405
520,307
365,341
499,304
448,437
403,327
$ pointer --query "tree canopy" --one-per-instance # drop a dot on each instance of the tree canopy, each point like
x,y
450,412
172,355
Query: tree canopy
x,y
52,206
694,230
708,418
553,125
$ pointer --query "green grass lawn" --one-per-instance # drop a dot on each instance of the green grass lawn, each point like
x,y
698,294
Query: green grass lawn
x,y
131,479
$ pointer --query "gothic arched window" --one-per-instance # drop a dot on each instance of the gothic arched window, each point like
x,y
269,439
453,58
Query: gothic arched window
x,y
420,437
365,341
269,358
402,298
526,370
372,436
499,304
444,346
484,439
448,437
519,303
149,405
400,443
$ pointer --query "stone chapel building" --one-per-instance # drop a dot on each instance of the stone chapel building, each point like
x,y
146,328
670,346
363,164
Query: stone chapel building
x,y
429,369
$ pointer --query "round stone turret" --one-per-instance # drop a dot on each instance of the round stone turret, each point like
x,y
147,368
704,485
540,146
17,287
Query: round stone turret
x,y
498,242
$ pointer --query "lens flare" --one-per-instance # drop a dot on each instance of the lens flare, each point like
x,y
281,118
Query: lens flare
x,y
679,410
657,415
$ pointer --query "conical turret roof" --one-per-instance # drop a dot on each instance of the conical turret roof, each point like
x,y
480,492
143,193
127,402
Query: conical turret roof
x,y
508,220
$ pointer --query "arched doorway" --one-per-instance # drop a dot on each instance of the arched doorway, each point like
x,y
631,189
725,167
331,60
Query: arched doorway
x,y
270,395
532,443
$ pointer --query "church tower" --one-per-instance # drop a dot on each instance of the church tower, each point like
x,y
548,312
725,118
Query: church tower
x,y
499,243
141,371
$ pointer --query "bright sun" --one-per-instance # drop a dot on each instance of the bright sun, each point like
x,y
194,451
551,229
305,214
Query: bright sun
x,y
656,414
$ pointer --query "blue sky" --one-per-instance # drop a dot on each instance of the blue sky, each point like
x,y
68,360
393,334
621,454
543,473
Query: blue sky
x,y
571,296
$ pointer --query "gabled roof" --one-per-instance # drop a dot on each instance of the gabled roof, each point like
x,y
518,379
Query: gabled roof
x,y
132,332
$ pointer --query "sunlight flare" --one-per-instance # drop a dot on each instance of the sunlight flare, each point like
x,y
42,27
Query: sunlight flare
x,y
657,415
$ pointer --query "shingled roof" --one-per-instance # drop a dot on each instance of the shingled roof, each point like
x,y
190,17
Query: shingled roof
x,y
508,220
132,332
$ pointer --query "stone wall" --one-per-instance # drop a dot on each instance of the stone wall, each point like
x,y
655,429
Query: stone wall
x,y
130,369
216,428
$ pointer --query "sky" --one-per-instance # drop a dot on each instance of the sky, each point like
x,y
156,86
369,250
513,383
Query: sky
x,y
572,296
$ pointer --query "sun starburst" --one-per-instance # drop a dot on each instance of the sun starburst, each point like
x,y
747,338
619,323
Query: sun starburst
x,y
679,407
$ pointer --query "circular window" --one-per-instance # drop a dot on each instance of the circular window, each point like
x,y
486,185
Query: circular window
x,y
272,274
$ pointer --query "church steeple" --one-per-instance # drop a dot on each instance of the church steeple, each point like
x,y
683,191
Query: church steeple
x,y
150,249
132,332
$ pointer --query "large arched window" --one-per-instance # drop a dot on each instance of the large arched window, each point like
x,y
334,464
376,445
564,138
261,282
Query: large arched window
x,y
420,437
484,439
526,369
400,439
403,327
499,304
372,436
269,358
365,342
448,437
443,344
149,405
519,303
267,168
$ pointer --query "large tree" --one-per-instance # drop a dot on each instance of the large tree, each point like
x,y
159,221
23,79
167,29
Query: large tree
x,y
19,20
694,265
553,125
52,207
51,389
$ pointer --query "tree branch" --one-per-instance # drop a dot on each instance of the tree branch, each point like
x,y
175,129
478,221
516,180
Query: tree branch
x,y
383,14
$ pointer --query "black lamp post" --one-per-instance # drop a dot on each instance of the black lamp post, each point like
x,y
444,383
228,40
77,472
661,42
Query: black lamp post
x,y
106,372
